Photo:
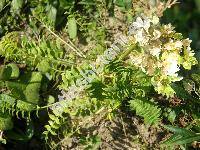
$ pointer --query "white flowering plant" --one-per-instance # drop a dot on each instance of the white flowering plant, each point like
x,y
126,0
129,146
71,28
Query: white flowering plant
x,y
75,67
161,52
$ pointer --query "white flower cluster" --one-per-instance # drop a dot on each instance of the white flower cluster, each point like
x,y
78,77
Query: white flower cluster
x,y
162,52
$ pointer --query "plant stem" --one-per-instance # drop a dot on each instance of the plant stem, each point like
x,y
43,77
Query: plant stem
x,y
127,52
72,46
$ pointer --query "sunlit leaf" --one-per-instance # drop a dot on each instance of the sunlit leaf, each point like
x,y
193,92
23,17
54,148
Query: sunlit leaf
x,y
72,27
16,6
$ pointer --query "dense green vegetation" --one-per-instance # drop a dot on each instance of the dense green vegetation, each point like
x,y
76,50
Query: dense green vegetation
x,y
61,87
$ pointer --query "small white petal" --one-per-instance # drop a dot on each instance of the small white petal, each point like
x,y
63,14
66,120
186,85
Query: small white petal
x,y
155,51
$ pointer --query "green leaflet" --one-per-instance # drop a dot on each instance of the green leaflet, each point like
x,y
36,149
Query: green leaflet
x,y
5,73
180,91
15,70
10,71
27,87
32,89
127,4
7,103
150,112
12,105
25,106
45,55
43,66
186,140
178,130
2,3
72,27
181,136
51,13
16,6
171,114
196,78
5,121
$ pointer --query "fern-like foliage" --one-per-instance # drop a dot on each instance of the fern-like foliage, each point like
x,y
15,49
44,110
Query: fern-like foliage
x,y
27,87
5,121
7,103
180,91
181,136
10,107
124,82
108,90
67,116
149,111
45,55
119,84
22,94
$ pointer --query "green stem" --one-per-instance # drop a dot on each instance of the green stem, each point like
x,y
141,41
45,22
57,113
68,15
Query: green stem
x,y
127,52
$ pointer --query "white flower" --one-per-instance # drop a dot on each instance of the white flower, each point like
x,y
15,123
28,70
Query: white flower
x,y
188,49
187,42
172,68
169,46
156,34
155,51
173,45
140,37
136,60
139,29
170,64
139,24
178,44
155,20
168,28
